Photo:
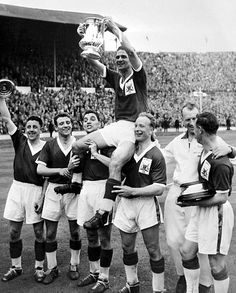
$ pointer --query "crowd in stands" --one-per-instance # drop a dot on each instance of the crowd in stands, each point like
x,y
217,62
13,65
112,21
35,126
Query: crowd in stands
x,y
172,78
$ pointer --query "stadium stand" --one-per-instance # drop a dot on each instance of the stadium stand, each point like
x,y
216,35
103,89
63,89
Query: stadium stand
x,y
39,49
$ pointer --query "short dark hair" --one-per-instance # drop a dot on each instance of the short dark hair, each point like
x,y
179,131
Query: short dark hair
x,y
92,112
189,106
122,48
150,117
59,115
35,118
208,122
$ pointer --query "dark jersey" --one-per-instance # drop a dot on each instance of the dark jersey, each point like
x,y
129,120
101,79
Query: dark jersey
x,y
146,169
25,166
53,157
216,174
92,169
132,98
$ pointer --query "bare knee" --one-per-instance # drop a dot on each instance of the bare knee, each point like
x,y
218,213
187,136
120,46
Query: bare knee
x,y
154,251
51,234
218,266
38,231
92,238
128,248
186,253
75,235
14,234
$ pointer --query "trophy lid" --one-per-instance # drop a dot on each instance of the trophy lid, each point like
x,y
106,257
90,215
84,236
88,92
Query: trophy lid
x,y
92,19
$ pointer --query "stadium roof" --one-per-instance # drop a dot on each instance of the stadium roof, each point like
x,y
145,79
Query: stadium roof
x,y
56,16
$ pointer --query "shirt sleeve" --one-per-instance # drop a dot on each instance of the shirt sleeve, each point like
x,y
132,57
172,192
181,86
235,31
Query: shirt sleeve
x,y
17,137
111,77
44,155
141,76
222,178
158,169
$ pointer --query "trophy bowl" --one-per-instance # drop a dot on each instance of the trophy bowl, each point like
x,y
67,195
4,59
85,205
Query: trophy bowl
x,y
193,191
93,39
6,88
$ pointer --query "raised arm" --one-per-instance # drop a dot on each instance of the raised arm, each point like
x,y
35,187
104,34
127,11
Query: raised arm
x,y
6,116
133,56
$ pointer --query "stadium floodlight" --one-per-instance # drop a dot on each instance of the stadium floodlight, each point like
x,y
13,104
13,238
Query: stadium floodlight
x,y
199,94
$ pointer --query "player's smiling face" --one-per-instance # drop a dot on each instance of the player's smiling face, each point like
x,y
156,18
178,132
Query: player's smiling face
x,y
91,122
64,126
32,130
122,60
143,130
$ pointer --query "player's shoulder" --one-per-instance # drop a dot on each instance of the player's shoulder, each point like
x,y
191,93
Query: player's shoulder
x,y
50,143
155,153
221,161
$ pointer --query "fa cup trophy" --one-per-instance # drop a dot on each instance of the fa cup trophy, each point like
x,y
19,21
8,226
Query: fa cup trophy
x,y
6,88
93,39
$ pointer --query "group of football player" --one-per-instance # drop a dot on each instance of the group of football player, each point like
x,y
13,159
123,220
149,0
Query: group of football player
x,y
122,168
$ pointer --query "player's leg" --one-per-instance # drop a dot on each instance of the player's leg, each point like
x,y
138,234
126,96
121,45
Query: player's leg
x,y
191,265
205,279
151,240
176,219
15,251
39,249
219,272
120,157
94,252
82,143
130,259
51,251
105,259
75,249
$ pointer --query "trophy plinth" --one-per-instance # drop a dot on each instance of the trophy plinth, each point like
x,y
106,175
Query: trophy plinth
x,y
93,39
6,88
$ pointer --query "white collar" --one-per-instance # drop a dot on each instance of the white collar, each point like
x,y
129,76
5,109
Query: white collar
x,y
67,150
205,155
122,84
139,157
34,149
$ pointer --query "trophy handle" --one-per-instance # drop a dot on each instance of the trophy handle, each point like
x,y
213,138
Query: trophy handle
x,y
103,28
6,88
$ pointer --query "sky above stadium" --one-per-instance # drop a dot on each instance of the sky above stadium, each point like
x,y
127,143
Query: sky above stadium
x,y
160,25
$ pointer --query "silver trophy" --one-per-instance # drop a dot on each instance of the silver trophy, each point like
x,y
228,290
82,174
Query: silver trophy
x,y
93,40
6,88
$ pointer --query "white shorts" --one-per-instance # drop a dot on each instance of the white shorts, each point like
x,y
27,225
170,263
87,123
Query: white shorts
x,y
89,199
117,132
20,202
56,204
137,214
176,218
211,228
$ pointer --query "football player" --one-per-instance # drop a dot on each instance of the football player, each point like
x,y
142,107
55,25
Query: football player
x,y
26,194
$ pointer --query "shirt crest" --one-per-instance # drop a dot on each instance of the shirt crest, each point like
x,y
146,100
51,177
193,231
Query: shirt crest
x,y
205,170
145,166
129,87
